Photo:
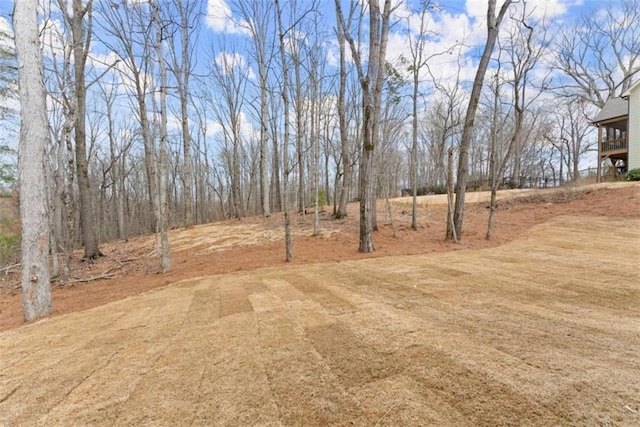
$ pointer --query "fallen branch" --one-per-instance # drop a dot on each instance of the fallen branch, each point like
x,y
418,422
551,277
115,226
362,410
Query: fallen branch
x,y
90,279
121,262
8,269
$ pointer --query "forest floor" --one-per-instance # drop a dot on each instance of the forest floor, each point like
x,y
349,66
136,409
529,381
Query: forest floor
x,y
539,326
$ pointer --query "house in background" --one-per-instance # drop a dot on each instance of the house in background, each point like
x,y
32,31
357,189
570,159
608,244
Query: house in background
x,y
619,133
633,129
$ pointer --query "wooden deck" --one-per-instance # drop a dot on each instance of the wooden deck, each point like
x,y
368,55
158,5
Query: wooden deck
x,y
613,146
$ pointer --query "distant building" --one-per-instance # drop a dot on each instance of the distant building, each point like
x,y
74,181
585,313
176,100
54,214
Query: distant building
x,y
613,122
619,132
633,97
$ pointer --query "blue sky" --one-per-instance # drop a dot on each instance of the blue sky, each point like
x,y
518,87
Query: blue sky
x,y
458,23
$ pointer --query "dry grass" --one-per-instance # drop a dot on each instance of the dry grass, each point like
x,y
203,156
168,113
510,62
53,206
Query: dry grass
x,y
540,331
485,196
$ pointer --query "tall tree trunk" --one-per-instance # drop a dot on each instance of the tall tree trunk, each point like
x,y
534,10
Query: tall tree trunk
x,y
81,43
300,128
184,73
276,186
236,189
186,164
149,150
117,178
414,149
285,149
417,51
450,222
36,287
58,197
371,86
493,162
257,16
264,141
344,131
69,206
493,27
163,210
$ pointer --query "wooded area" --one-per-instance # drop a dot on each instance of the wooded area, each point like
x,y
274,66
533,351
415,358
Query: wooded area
x,y
155,123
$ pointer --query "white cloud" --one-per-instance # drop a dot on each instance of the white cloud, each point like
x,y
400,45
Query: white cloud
x,y
447,36
248,132
219,18
228,61
539,9
454,36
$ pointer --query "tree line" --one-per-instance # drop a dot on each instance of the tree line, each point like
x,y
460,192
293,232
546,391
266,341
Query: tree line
x,y
152,122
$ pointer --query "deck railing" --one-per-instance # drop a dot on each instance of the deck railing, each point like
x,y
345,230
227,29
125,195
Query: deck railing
x,y
614,145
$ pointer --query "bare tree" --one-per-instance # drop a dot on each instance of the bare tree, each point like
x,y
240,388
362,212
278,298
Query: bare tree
x,y
230,74
575,126
162,207
441,127
493,28
285,150
524,46
127,35
257,15
182,66
601,55
117,156
62,117
36,287
419,60
342,115
81,15
371,84
495,172
300,107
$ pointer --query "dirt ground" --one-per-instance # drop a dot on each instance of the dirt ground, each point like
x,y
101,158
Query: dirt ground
x,y
540,326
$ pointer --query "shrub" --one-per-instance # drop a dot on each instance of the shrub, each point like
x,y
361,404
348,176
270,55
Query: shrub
x,y
322,198
9,249
633,175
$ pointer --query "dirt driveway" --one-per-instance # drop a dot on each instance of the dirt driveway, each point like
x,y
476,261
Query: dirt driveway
x,y
544,330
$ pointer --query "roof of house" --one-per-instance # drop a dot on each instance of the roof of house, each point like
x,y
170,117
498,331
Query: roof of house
x,y
615,107
627,93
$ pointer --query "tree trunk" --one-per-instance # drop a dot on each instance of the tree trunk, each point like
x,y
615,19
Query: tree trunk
x,y
300,131
264,141
183,73
69,208
344,130
236,195
493,27
285,149
81,43
36,287
414,150
371,86
366,227
451,226
163,210
493,142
